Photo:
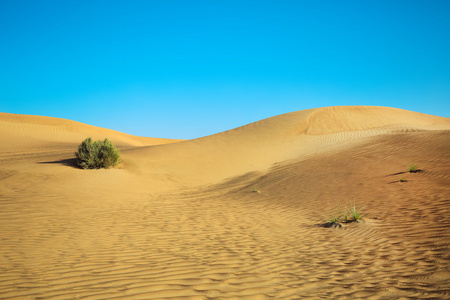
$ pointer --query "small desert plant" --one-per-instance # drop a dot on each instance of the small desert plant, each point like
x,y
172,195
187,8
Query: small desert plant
x,y
355,213
333,219
345,217
412,167
97,154
402,179
351,213
255,189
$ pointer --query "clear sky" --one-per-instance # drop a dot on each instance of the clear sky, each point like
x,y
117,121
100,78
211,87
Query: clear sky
x,y
190,68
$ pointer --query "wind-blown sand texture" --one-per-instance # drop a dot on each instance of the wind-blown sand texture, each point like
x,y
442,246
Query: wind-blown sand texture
x,y
181,219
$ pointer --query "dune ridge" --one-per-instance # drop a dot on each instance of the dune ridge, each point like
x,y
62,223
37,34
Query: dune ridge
x,y
258,146
235,215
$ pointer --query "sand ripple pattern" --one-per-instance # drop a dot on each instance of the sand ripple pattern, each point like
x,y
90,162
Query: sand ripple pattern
x,y
67,233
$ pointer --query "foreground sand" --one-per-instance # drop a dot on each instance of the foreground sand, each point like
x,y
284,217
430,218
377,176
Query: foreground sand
x,y
181,219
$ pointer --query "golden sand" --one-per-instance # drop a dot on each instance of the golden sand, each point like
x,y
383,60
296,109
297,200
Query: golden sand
x,y
182,220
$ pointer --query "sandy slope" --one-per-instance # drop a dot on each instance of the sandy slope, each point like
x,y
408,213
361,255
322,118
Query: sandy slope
x,y
181,220
257,146
20,132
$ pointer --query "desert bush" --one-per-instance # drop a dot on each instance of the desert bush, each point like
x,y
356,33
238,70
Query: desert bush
x,y
97,154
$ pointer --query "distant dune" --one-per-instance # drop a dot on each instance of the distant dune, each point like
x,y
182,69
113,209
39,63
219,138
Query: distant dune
x,y
26,131
235,215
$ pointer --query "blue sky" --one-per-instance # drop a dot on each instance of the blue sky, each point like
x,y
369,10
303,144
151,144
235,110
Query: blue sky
x,y
185,69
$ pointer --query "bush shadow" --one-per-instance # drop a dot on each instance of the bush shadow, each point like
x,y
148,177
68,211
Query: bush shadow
x,y
69,162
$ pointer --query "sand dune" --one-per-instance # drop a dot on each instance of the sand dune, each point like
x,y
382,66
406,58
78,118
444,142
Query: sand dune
x,y
182,221
25,131
258,146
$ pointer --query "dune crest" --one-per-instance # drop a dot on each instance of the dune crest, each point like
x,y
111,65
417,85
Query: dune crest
x,y
258,146
354,118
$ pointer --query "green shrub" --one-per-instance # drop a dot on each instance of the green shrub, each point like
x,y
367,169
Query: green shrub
x,y
97,154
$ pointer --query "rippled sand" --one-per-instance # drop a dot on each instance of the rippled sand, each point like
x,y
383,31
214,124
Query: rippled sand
x,y
236,215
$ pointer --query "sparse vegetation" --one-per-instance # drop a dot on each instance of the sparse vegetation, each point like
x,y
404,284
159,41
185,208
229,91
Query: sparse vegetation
x,y
351,213
402,179
97,154
334,219
354,213
412,168
255,189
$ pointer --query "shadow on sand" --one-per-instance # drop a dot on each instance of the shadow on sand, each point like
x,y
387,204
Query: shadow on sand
x,y
404,172
70,162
